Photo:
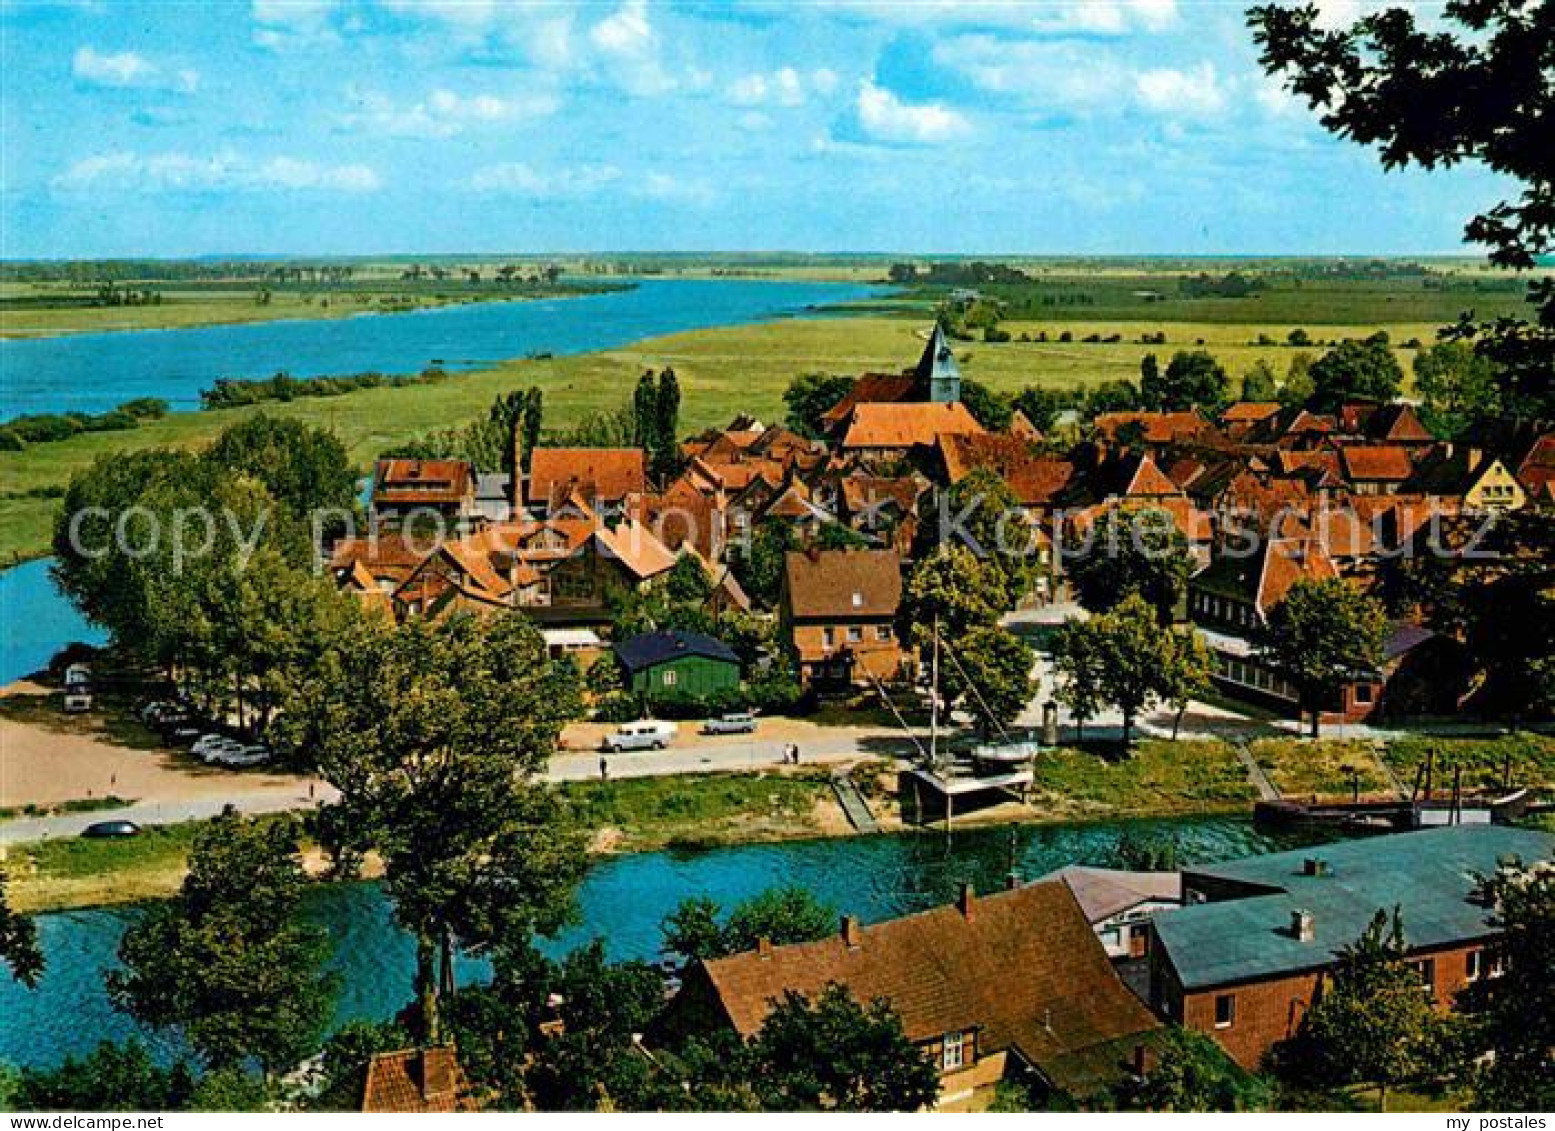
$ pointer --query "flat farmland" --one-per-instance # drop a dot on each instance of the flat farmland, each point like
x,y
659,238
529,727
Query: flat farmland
x,y
722,372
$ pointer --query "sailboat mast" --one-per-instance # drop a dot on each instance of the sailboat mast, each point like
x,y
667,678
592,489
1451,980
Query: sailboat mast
x,y
934,701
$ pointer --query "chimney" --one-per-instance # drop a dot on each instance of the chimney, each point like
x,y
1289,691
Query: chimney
x,y
764,947
852,932
1302,925
1011,881
1314,866
966,901
813,552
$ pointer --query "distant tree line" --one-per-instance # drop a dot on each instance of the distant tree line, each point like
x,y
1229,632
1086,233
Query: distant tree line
x,y
44,428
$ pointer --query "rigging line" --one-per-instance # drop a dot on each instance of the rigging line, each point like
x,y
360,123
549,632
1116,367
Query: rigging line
x,y
908,730
991,716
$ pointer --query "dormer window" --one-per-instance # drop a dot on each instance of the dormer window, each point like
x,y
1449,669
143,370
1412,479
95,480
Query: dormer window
x,y
955,1051
858,600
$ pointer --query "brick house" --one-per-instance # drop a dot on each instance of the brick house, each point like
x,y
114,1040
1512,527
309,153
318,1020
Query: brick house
x,y
1007,985
408,488
838,614
603,477
1248,954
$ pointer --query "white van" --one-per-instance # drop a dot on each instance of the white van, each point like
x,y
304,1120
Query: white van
x,y
644,734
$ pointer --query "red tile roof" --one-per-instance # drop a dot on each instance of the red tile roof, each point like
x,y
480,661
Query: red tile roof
x,y
1022,968
415,1081
1249,411
1035,478
1159,427
608,474
903,425
843,583
877,388
423,482
1376,463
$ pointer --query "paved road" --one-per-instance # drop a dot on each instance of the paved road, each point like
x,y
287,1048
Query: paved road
x,y
158,813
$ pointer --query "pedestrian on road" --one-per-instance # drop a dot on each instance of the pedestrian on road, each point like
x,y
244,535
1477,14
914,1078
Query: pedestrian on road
x,y
604,768
312,786
796,753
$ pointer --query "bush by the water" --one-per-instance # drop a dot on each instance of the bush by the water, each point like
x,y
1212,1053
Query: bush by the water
x,y
48,427
235,392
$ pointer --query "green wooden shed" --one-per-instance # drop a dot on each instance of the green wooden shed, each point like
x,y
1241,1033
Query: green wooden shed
x,y
677,663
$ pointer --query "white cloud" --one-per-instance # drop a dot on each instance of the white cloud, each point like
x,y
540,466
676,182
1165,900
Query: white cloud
x,y
442,113
627,41
514,178
1196,92
221,172
1050,77
129,69
283,24
885,117
782,87
1052,17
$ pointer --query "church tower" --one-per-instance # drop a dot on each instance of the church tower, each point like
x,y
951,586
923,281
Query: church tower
x,y
937,377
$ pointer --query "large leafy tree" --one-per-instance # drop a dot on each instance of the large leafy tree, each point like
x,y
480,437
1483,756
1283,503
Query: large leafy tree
x,y
1130,649
18,940
228,961
1185,673
1478,88
983,514
1136,551
1373,1024
779,915
833,1054
1517,1008
664,449
1193,378
433,733
1077,664
1356,369
954,590
1457,387
809,397
989,675
1323,633
112,1077
993,410
304,468
1192,1073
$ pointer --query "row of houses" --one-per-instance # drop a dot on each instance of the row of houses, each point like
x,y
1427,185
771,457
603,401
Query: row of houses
x,y
1262,494
1066,984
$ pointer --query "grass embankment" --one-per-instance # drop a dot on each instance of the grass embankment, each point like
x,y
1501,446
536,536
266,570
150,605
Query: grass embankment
x,y
1484,760
743,368
1158,778
702,810
76,872
1328,769
628,815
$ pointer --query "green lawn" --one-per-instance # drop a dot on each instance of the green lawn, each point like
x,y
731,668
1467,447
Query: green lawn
x,y
643,814
1158,778
1300,768
77,872
1483,760
722,372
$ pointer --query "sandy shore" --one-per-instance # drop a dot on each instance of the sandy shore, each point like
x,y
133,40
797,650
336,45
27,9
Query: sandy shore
x,y
48,758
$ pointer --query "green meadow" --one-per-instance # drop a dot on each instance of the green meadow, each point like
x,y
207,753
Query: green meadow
x,y
722,372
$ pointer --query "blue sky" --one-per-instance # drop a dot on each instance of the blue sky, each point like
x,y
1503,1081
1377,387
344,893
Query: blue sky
x,y
311,126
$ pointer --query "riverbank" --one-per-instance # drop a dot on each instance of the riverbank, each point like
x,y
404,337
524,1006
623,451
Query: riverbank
x,y
27,312
746,365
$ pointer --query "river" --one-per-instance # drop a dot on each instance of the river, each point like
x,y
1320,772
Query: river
x,y
95,372
622,901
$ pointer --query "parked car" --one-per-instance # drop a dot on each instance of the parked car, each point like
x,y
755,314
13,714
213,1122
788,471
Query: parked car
x,y
78,675
736,722
241,756
212,741
78,698
105,829
644,734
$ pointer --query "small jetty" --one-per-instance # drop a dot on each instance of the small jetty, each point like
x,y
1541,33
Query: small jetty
x,y
853,804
